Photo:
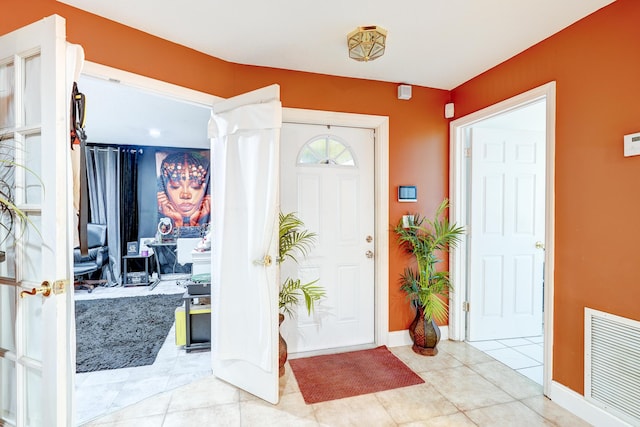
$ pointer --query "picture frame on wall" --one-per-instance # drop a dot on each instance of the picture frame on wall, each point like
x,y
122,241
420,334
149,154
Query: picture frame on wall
x,y
132,248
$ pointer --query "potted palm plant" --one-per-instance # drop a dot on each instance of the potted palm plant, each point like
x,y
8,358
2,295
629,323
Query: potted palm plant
x,y
425,285
295,242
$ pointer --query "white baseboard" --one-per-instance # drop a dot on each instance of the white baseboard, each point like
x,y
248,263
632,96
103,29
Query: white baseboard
x,y
579,406
400,338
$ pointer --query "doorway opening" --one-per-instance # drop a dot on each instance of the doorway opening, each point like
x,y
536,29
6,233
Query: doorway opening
x,y
378,123
502,189
126,111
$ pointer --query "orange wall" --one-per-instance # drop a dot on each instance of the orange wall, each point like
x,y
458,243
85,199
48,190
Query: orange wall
x,y
596,65
418,151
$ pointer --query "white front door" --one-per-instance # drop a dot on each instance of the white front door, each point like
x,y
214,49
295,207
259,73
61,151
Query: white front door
x,y
245,133
506,234
327,177
37,363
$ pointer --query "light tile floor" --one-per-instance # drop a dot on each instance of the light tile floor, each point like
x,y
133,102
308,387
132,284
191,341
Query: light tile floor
x,y
463,387
525,355
102,392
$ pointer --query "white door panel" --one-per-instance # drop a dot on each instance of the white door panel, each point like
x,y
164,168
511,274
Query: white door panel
x,y
36,332
507,220
245,134
336,201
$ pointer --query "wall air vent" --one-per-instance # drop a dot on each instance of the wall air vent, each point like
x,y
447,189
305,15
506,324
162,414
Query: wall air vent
x,y
612,368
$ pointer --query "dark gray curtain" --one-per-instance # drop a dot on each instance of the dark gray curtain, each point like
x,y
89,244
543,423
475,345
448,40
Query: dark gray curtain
x,y
103,165
129,196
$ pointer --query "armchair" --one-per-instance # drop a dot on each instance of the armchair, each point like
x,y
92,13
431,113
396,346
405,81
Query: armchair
x,y
87,270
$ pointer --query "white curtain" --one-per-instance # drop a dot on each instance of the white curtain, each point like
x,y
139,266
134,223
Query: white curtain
x,y
245,197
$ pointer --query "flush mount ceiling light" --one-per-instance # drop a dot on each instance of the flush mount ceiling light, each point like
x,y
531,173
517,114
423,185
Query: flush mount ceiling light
x,y
367,43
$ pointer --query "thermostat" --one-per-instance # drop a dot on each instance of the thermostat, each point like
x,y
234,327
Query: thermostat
x,y
632,144
407,193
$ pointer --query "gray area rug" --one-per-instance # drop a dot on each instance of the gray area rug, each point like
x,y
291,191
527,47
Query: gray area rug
x,y
114,333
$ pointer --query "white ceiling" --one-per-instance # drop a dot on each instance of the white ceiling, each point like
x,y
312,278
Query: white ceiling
x,y
432,43
123,115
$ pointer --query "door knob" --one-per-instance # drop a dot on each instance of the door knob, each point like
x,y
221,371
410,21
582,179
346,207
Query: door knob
x,y
44,289
266,261
369,254
539,245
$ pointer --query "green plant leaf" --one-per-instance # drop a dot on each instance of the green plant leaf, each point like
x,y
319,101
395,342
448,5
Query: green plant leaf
x,y
296,242
426,240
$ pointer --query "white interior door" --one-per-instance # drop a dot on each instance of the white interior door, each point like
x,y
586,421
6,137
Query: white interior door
x,y
245,133
327,177
36,332
507,233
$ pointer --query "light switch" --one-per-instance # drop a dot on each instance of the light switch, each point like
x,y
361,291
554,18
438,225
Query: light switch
x,y
407,221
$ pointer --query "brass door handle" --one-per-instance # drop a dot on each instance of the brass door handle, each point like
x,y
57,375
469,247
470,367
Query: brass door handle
x,y
539,245
44,289
369,254
266,261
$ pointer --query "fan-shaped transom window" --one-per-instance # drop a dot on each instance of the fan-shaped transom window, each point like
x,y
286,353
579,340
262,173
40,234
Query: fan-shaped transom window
x,y
326,150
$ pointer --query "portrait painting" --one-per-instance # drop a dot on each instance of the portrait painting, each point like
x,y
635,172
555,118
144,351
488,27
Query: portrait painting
x,y
183,187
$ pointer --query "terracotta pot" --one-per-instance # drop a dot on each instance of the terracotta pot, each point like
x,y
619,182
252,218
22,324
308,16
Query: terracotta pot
x,y
282,347
424,333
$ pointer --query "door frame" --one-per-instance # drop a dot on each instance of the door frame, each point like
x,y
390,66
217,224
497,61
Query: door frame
x,y
148,84
380,125
459,208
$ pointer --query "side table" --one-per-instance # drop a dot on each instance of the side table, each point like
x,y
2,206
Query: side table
x,y
138,278
202,326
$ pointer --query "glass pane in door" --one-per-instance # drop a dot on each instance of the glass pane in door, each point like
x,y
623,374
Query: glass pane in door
x,y
31,102
7,355
7,319
31,177
32,318
7,96
31,242
8,267
34,411
8,392
7,191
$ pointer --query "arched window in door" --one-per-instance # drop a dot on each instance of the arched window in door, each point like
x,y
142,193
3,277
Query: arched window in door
x,y
326,150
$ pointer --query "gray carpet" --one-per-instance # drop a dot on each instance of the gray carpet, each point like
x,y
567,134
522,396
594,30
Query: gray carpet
x,y
114,333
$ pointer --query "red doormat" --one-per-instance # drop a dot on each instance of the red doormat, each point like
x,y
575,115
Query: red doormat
x,y
336,376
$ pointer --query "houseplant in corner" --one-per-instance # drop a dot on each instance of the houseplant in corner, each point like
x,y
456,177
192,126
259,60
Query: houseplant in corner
x,y
426,287
295,242
10,214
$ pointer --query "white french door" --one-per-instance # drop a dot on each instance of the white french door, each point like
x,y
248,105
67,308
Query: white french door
x,y
37,362
507,233
327,178
245,133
